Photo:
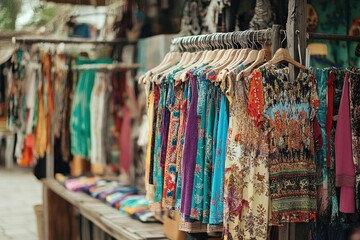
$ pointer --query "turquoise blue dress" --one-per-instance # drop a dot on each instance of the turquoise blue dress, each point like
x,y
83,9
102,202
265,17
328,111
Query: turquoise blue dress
x,y
217,193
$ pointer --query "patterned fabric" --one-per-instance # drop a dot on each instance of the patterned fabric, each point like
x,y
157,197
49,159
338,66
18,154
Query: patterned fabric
x,y
158,170
198,187
354,90
209,149
180,145
289,110
172,142
246,169
193,21
321,155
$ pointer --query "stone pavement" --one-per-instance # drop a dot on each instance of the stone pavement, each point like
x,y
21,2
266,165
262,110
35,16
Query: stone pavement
x,y
19,192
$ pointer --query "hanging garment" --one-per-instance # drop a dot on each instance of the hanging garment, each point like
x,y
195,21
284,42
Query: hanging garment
x,y
197,211
49,102
263,17
80,114
354,91
217,189
59,92
246,168
345,169
180,145
289,108
190,148
355,123
160,122
40,134
66,114
322,157
150,114
98,113
126,138
193,20
173,103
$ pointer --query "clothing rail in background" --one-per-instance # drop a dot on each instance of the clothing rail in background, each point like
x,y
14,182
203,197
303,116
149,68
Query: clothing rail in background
x,y
107,67
336,37
32,40
231,39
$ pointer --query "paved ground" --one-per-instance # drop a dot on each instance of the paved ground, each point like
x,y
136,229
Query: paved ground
x,y
19,192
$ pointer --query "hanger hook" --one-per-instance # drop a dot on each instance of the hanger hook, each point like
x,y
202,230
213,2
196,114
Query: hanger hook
x,y
253,39
249,38
268,36
282,41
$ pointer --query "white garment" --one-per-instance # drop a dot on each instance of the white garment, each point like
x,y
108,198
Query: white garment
x,y
98,117
30,94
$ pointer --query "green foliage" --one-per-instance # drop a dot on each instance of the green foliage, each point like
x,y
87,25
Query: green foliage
x,y
43,13
9,11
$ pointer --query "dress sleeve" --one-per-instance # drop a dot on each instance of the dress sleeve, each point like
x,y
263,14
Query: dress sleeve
x,y
256,101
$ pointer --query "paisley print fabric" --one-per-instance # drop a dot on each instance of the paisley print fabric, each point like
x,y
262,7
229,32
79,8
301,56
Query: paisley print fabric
x,y
289,110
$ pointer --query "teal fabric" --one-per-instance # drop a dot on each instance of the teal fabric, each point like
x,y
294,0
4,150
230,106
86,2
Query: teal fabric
x,y
158,174
217,193
198,187
80,114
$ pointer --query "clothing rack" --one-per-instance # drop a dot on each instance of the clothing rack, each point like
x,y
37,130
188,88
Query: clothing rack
x,y
32,40
120,43
107,67
229,40
335,37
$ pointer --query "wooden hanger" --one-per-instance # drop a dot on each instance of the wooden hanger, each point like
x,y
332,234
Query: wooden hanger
x,y
172,59
283,55
260,59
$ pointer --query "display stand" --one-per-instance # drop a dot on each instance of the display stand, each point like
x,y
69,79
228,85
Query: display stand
x,y
68,211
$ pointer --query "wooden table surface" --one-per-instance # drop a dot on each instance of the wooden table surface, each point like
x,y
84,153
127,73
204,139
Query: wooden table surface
x,y
110,220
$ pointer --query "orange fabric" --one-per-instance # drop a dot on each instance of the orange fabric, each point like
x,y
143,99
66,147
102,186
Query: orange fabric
x,y
27,158
256,99
40,132
47,63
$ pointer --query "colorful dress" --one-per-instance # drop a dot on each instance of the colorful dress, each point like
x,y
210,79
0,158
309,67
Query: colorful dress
x,y
198,188
246,183
174,100
158,170
190,149
217,189
180,145
286,112
322,77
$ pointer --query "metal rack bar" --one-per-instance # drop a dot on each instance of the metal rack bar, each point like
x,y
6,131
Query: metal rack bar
x,y
234,39
335,37
223,39
32,40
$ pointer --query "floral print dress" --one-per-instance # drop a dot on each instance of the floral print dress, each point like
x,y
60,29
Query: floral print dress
x,y
246,183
